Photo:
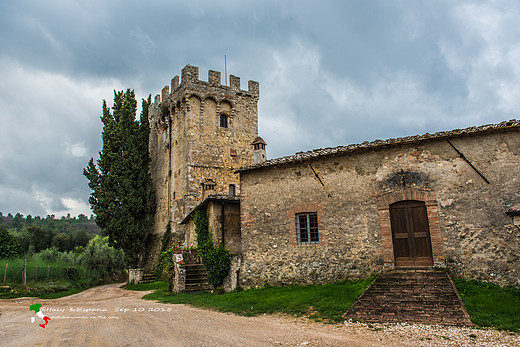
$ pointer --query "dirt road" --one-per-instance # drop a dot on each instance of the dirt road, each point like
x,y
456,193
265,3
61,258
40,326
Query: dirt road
x,y
111,316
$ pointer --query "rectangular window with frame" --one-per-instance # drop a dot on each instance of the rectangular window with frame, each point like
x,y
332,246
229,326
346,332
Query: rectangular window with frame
x,y
307,228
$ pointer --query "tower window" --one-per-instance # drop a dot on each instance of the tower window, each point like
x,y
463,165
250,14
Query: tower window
x,y
232,190
223,121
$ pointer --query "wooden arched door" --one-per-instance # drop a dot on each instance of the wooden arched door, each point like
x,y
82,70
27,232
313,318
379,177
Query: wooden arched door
x,y
411,234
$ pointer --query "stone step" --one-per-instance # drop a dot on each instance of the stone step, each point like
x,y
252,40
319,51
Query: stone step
x,y
196,277
409,295
197,287
148,278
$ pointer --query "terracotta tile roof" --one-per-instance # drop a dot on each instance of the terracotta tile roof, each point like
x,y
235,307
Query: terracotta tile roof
x,y
259,140
302,156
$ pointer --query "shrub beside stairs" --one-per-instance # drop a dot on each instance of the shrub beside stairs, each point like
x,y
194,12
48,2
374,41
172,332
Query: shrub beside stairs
x,y
425,296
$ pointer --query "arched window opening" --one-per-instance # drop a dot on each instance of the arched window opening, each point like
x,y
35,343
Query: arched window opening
x,y
223,121
232,191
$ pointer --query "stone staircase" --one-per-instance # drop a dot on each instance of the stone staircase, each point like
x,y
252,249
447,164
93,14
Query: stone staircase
x,y
148,278
196,278
411,295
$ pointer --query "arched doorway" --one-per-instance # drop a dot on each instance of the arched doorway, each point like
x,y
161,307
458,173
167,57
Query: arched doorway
x,y
410,234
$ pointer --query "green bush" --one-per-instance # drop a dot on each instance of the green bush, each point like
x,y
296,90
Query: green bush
x,y
217,262
49,255
72,273
99,255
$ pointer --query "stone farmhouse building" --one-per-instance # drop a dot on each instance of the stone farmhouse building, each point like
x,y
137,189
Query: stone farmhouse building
x,y
448,199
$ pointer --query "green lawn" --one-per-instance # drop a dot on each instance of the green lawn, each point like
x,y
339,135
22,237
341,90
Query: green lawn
x,y
490,305
148,286
320,302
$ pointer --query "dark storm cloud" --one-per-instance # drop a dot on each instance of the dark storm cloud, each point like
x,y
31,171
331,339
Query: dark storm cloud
x,y
330,72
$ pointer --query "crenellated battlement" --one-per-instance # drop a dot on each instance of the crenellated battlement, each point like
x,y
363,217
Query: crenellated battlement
x,y
190,77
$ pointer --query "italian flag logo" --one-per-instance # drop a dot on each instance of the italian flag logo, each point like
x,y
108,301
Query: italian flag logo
x,y
36,309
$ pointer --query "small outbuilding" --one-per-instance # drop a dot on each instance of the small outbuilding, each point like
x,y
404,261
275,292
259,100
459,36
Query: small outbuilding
x,y
436,200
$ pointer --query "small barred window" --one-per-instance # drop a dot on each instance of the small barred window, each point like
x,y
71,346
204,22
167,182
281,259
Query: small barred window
x,y
307,228
223,121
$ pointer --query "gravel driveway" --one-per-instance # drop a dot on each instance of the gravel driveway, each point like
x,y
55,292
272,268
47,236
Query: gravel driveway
x,y
111,316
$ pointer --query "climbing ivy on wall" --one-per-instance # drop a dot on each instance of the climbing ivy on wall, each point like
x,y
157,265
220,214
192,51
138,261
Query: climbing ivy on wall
x,y
215,259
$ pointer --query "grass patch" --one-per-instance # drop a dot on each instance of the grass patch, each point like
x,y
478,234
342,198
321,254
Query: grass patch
x,y
490,305
20,292
48,290
157,285
319,302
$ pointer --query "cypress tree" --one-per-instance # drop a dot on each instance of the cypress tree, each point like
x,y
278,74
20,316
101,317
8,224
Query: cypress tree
x,y
122,195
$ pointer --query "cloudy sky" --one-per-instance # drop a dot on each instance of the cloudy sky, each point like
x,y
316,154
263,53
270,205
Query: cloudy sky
x,y
330,72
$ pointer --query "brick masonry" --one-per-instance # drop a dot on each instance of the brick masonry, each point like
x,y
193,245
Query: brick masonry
x,y
413,296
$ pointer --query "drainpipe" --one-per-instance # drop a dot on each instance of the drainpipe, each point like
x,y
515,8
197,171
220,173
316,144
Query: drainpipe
x,y
169,168
222,222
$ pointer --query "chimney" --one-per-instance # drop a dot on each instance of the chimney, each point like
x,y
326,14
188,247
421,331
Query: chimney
x,y
259,151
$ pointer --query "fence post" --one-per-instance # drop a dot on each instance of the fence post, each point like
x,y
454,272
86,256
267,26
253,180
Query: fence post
x,y
25,272
37,267
5,273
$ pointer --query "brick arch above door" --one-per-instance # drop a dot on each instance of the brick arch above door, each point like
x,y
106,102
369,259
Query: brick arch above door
x,y
383,205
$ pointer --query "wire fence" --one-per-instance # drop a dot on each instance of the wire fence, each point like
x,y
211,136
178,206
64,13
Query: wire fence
x,y
22,271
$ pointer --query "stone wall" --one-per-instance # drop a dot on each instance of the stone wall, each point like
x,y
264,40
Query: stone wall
x,y
351,193
135,275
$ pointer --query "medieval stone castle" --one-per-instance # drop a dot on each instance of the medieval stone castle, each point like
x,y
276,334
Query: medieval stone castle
x,y
448,199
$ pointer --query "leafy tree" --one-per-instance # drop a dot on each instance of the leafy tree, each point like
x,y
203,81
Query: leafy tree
x,y
79,238
99,255
9,246
40,238
23,237
62,241
122,195
18,221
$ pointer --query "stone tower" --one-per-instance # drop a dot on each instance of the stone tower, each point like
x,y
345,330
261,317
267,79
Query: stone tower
x,y
201,133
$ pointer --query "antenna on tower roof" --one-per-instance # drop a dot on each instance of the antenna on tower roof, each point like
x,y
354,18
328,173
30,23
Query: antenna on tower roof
x,y
225,69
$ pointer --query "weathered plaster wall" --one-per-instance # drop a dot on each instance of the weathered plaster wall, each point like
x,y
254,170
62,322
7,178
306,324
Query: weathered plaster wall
x,y
470,232
232,239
